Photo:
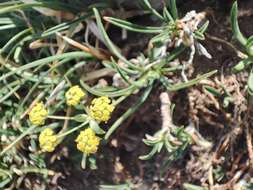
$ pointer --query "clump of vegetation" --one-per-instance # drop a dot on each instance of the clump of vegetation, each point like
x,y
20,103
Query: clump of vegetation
x,y
57,91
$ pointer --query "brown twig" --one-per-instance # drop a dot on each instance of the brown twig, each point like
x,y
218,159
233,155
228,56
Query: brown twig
x,y
165,110
249,145
216,39
98,54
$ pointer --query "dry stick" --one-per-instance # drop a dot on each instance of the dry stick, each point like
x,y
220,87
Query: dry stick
x,y
210,176
231,183
239,53
249,145
165,111
66,122
92,51
248,131
223,145
38,98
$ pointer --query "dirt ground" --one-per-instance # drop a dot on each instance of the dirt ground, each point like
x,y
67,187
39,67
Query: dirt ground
x,y
118,161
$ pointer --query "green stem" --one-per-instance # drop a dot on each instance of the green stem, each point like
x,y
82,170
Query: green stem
x,y
28,131
72,130
235,26
59,117
129,112
37,170
119,100
9,94
44,61
83,162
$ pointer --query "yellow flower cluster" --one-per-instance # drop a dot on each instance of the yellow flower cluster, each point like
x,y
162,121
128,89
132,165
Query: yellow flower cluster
x,y
101,109
38,114
47,140
74,95
87,141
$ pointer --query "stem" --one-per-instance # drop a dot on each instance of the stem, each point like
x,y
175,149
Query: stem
x,y
37,170
84,160
72,130
129,112
28,131
235,26
59,117
119,100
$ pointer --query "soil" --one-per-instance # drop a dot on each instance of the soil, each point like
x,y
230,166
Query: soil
x,y
118,161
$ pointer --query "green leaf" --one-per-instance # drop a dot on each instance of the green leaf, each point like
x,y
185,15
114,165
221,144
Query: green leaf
x,y
22,6
115,187
235,27
159,146
92,163
249,46
80,118
212,90
151,142
192,82
14,39
203,28
152,10
83,162
110,44
4,182
44,61
116,93
243,64
250,83
199,34
168,17
173,8
95,127
129,112
227,100
169,147
188,186
150,154
133,27
121,72
160,38
173,55
26,132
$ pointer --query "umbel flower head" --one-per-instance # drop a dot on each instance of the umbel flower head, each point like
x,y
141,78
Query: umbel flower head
x,y
87,141
74,95
101,108
47,140
38,114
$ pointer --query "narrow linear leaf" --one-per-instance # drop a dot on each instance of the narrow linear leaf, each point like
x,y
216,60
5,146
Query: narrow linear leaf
x,y
45,61
191,82
250,83
152,10
235,27
133,27
116,93
109,43
188,186
129,112
173,8
243,64
249,46
150,154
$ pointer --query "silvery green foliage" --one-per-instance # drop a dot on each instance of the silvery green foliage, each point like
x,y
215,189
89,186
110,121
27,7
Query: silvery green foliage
x,y
247,43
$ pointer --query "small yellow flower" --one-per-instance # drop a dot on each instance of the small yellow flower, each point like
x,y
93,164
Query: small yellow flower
x,y
47,140
38,114
74,95
87,141
101,109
